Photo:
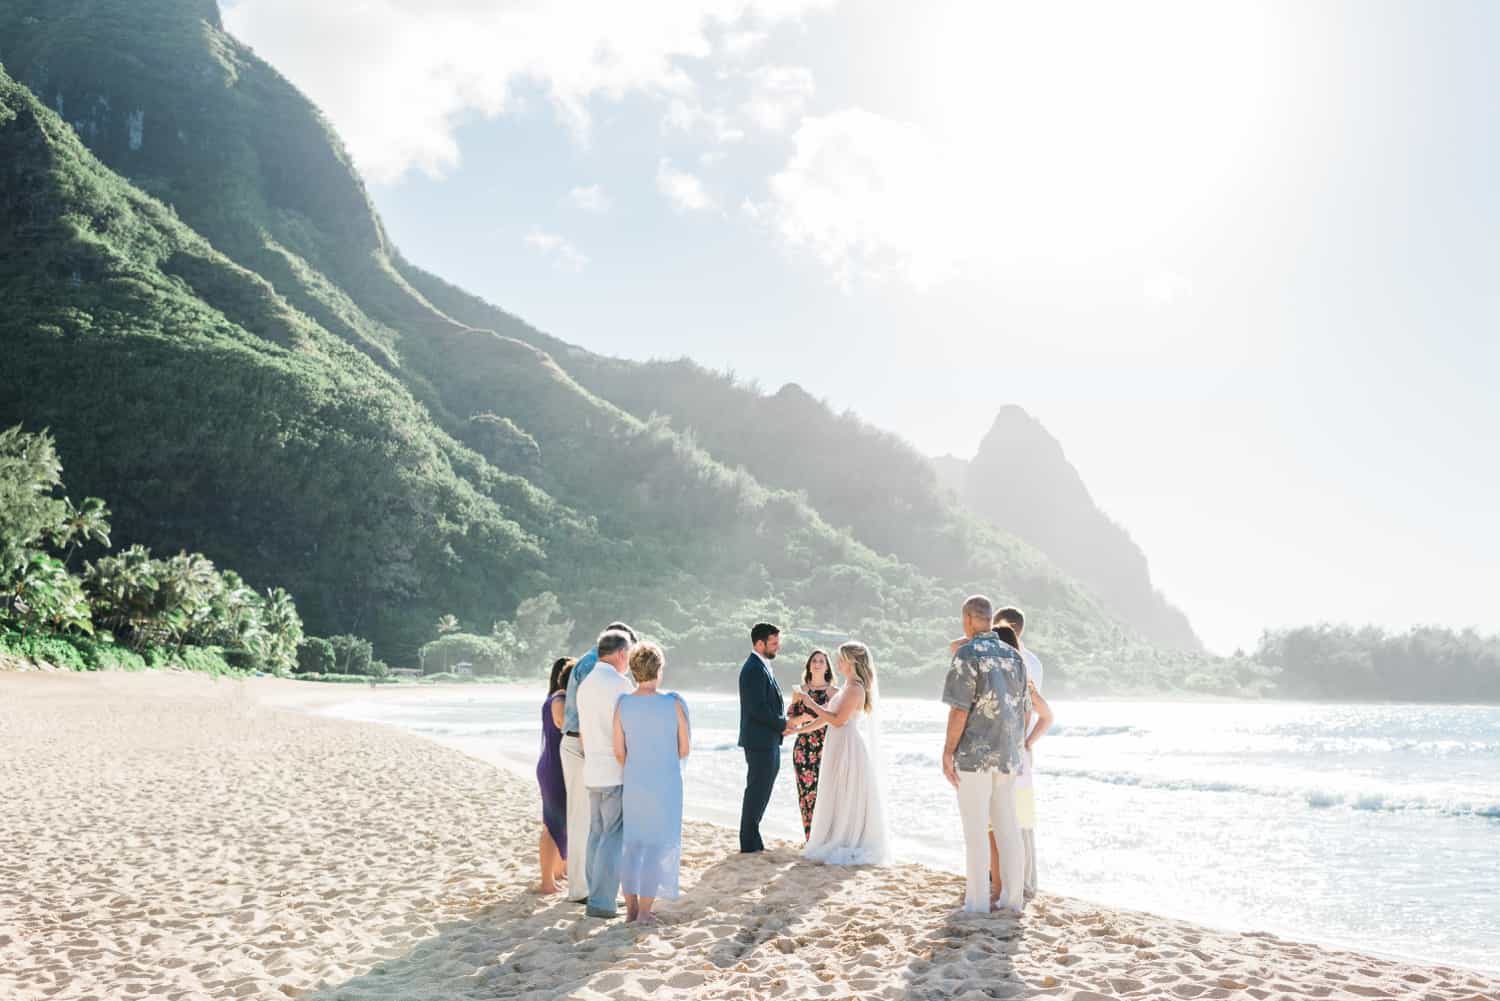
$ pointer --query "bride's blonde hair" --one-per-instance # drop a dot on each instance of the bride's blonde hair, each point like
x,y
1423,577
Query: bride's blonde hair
x,y
858,655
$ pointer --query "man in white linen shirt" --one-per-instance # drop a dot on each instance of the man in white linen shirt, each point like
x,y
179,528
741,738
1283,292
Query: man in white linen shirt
x,y
1025,797
572,763
602,773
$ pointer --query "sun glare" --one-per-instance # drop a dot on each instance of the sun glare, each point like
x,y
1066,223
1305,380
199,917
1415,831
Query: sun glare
x,y
1103,126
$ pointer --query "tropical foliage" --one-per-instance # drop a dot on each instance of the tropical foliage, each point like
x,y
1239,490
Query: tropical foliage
x,y
315,656
209,317
148,610
1422,664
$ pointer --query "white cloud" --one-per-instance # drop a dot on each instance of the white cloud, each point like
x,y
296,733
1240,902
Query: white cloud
x,y
686,115
741,43
397,77
873,197
709,158
777,95
557,249
591,198
685,191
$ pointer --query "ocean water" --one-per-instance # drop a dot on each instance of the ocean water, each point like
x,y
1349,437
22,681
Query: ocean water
x,y
1369,827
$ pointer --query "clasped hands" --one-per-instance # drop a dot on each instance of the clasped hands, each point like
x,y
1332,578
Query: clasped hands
x,y
797,709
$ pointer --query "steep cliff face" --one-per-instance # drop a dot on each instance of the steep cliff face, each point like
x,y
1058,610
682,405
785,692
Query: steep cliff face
x,y
1021,481
526,462
217,418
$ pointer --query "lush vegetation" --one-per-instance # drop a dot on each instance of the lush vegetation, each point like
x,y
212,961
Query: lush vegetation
x,y
1423,664
203,307
217,418
125,610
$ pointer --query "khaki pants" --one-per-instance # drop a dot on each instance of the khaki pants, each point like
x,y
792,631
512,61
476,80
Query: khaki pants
x,y
987,800
578,818
1029,837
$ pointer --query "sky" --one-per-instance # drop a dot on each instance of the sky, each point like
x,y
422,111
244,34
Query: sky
x,y
1240,259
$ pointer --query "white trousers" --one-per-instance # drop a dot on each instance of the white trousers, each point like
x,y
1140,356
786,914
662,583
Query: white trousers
x,y
578,818
988,800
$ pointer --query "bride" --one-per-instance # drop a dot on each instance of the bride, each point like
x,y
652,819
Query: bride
x,y
848,822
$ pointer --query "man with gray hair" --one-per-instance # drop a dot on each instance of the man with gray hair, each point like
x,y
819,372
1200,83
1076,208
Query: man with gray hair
x,y
602,773
572,763
987,698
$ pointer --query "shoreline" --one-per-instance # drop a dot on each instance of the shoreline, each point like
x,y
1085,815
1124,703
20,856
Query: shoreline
x,y
177,836
523,770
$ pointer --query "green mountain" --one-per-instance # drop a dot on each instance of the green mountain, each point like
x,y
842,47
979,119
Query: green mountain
x,y
204,308
1020,479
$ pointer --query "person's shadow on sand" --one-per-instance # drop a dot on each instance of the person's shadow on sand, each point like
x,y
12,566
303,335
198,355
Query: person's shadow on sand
x,y
523,944
742,902
543,946
967,953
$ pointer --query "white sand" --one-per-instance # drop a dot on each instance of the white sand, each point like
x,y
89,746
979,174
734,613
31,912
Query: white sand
x,y
175,837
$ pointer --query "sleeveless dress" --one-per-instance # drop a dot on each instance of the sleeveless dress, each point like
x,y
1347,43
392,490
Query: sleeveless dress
x,y
549,778
652,852
807,754
849,825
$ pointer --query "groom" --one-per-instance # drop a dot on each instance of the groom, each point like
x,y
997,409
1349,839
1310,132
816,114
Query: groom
x,y
763,724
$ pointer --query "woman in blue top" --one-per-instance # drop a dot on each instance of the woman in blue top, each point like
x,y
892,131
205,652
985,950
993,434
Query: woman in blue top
x,y
652,736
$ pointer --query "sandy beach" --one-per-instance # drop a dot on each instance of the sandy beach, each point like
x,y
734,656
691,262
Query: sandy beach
x,y
177,837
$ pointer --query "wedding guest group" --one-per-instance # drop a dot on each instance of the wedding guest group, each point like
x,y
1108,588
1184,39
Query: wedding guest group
x,y
614,741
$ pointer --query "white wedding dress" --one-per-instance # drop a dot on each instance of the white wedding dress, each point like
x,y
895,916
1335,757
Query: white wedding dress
x,y
848,822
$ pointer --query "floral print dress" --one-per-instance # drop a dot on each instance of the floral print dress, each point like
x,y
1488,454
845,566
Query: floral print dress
x,y
807,755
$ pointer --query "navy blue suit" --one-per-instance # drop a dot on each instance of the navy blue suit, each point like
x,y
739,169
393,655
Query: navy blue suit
x,y
762,722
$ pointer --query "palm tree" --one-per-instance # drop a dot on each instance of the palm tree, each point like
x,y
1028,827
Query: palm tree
x,y
447,624
124,588
45,596
189,585
283,628
29,474
232,616
80,525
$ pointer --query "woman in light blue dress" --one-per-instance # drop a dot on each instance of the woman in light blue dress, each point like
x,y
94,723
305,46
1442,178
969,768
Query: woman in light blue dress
x,y
652,737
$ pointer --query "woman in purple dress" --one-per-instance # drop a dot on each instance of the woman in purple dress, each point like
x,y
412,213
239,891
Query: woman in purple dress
x,y
553,848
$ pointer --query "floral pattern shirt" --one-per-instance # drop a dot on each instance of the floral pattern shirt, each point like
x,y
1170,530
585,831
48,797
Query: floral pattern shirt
x,y
988,679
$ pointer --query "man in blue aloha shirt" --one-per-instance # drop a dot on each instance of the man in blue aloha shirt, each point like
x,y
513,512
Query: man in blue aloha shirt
x,y
988,701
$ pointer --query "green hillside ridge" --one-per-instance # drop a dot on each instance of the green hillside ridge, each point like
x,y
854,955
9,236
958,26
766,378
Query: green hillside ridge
x,y
218,418
275,447
502,435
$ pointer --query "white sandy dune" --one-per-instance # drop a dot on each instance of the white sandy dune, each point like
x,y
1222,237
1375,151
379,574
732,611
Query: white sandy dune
x,y
172,837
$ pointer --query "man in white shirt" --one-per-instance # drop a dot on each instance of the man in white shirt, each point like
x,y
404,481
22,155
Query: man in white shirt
x,y
572,763
602,773
1026,797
